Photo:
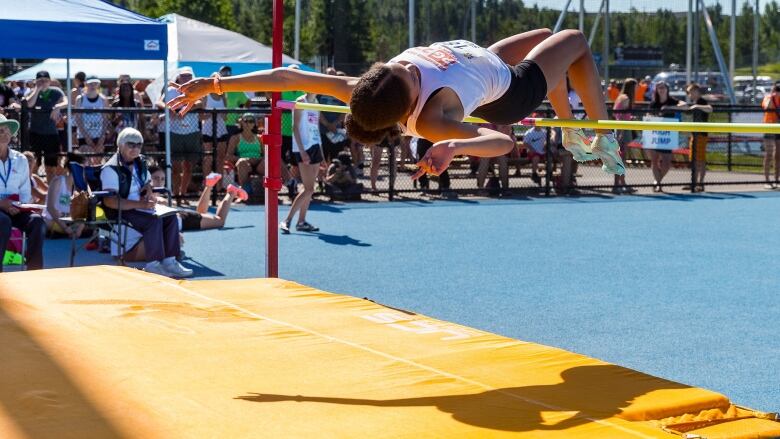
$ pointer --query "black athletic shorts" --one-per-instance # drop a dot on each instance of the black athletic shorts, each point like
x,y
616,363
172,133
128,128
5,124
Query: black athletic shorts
x,y
287,154
315,155
190,220
526,91
46,147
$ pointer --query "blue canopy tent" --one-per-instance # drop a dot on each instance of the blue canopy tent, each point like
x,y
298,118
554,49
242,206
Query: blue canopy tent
x,y
80,29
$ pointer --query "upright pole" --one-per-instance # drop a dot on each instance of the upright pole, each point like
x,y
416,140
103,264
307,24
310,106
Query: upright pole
x,y
561,17
582,16
473,21
297,53
696,45
689,43
273,180
595,28
168,179
605,49
732,38
411,23
755,46
68,87
718,54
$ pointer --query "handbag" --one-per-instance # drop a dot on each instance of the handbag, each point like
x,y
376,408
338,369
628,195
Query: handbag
x,y
79,205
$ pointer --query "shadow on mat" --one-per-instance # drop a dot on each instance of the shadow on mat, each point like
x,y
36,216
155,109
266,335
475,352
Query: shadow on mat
x,y
587,394
36,393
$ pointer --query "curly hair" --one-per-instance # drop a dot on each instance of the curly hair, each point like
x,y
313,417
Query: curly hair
x,y
380,99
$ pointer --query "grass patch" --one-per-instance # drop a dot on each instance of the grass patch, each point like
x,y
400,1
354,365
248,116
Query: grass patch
x,y
718,161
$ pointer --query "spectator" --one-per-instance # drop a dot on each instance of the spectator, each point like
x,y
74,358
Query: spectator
x,y
307,152
535,140
624,103
341,180
185,138
58,202
126,97
567,180
661,159
91,125
332,132
47,102
200,218
215,102
21,89
613,90
38,185
7,98
15,182
697,144
289,176
771,106
650,88
641,90
233,100
246,150
78,85
126,173
486,163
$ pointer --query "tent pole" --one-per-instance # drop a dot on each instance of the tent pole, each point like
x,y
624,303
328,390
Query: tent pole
x,y
273,140
70,105
167,132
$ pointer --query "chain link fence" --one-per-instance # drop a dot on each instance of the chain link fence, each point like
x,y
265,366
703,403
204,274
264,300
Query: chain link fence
x,y
201,143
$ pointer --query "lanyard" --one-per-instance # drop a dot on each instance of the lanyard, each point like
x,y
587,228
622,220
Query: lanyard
x,y
7,176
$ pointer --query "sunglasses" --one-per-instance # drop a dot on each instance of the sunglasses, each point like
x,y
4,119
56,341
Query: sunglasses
x,y
134,145
250,121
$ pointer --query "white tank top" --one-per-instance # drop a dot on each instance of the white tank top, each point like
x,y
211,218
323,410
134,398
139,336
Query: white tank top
x,y
94,123
62,202
309,129
477,75
206,125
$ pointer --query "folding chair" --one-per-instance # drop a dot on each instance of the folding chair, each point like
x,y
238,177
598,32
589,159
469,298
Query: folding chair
x,y
87,179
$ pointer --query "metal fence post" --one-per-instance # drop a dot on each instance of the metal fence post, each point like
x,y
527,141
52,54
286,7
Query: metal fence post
x,y
693,163
214,148
728,147
391,173
548,162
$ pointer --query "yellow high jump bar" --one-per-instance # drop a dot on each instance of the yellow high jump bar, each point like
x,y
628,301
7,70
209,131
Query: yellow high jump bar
x,y
699,127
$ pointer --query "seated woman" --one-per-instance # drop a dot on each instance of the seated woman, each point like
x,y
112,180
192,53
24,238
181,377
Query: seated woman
x,y
246,150
38,184
126,173
199,219
58,201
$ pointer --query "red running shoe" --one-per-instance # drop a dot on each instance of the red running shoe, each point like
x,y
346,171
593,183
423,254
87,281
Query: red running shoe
x,y
237,192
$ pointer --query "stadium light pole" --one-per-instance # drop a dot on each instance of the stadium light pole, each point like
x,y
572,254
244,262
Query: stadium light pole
x,y
732,38
755,47
689,43
297,50
411,23
582,16
473,21
605,49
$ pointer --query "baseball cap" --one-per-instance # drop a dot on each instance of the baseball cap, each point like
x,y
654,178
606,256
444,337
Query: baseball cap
x,y
42,74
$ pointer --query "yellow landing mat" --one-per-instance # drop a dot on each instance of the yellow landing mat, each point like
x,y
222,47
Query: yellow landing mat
x,y
100,352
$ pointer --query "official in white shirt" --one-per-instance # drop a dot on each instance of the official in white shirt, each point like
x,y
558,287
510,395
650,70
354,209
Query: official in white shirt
x,y
15,189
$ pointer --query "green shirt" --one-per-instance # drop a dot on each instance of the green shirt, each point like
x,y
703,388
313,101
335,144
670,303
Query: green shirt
x,y
234,99
287,121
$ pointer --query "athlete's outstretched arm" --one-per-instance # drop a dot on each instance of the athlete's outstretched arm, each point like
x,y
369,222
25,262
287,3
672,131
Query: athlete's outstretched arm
x,y
457,138
279,79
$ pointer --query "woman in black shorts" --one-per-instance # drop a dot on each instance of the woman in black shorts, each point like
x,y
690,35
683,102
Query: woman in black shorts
x,y
429,90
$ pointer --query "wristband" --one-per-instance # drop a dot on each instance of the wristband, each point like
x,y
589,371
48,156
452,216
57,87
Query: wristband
x,y
217,86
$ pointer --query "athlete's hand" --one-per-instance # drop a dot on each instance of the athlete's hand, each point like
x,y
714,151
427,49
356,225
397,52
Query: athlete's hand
x,y
436,160
191,92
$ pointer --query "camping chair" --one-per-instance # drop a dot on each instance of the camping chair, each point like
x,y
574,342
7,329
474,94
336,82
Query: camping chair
x,y
87,179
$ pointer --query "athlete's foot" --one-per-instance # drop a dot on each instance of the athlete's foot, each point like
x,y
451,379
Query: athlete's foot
x,y
606,148
212,179
576,142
